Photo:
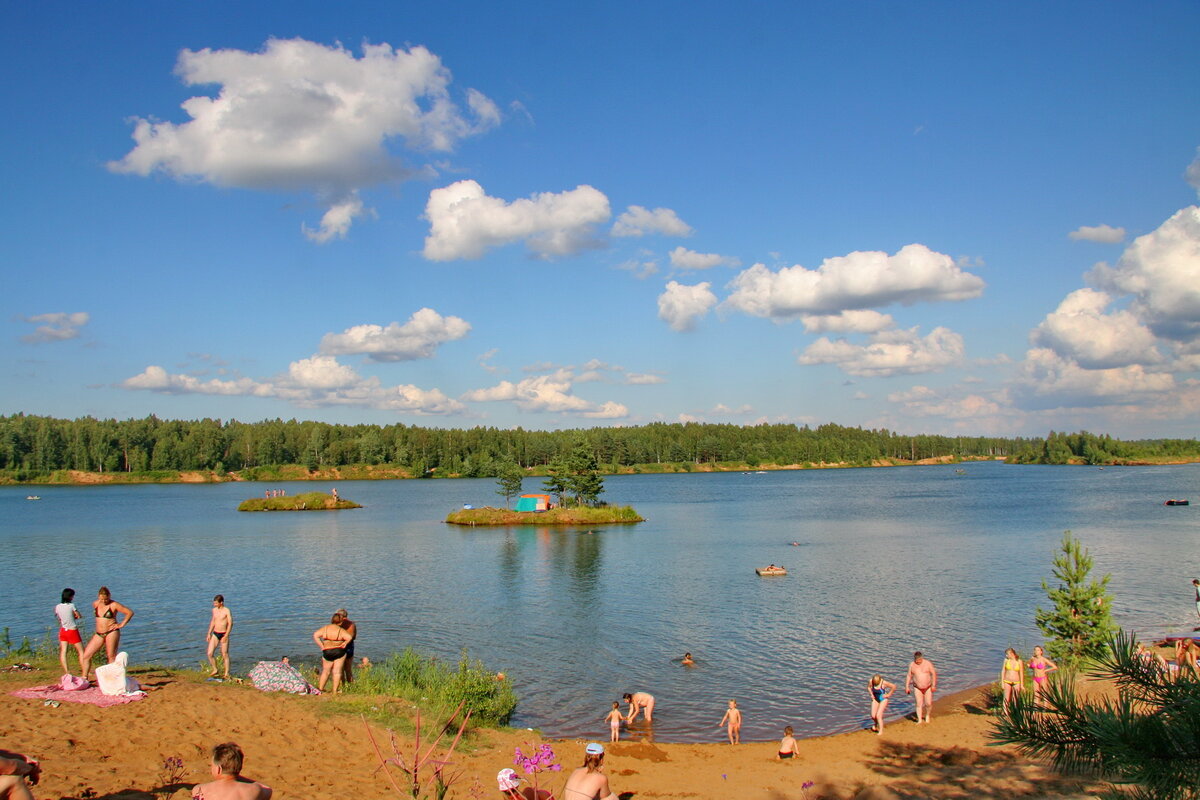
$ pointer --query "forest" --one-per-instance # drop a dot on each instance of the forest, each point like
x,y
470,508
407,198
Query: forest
x,y
33,446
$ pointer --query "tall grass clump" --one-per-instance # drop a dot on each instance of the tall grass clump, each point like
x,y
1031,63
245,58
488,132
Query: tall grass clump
x,y
41,654
439,686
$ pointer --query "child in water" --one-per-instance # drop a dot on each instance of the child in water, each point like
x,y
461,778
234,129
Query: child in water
x,y
787,745
733,717
614,722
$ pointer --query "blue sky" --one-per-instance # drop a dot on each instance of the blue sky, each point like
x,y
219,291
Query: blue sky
x,y
956,218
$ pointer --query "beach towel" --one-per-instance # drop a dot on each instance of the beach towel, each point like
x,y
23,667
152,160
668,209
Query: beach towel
x,y
91,696
276,676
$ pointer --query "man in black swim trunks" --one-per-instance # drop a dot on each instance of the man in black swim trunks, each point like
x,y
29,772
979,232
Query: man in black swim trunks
x,y
218,633
351,628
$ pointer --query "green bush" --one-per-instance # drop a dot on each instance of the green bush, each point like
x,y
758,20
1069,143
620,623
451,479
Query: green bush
x,y
439,687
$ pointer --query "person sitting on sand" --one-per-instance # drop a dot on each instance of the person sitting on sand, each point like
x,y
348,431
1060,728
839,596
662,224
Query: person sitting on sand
x,y
332,639
1150,658
787,745
218,634
880,691
68,631
733,716
229,784
1012,677
589,781
921,683
108,629
1185,656
613,718
15,770
639,701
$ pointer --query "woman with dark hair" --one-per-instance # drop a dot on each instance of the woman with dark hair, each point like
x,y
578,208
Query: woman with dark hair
x,y
68,630
108,628
332,639
589,782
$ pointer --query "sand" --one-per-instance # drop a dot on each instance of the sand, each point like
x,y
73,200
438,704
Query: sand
x,y
303,749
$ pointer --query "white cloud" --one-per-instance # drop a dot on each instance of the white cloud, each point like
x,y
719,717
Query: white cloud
x,y
58,326
1079,330
686,259
643,378
855,281
1047,380
921,401
858,321
681,306
896,352
1162,271
609,410
464,222
640,269
301,116
546,393
321,372
419,337
1105,234
335,223
640,221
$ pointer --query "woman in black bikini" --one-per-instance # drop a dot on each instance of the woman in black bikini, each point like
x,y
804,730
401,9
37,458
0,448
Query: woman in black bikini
x,y
332,639
108,628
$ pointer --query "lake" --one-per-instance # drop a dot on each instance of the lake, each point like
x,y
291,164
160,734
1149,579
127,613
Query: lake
x,y
889,560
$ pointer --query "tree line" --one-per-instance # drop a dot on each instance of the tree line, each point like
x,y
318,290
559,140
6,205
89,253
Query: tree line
x,y
36,445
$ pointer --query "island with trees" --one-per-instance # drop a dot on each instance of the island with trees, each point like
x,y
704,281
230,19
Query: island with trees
x,y
309,501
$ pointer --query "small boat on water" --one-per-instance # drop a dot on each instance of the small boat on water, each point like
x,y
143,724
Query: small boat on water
x,y
32,497
1177,503
768,571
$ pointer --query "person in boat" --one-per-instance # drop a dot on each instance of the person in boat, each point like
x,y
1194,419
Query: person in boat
x,y
108,628
589,781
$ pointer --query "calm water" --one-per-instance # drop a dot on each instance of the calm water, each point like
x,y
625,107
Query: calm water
x,y
890,560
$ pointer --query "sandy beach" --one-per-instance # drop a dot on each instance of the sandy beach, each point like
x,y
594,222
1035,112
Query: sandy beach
x,y
303,749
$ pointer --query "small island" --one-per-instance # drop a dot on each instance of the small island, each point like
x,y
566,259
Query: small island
x,y
309,501
576,515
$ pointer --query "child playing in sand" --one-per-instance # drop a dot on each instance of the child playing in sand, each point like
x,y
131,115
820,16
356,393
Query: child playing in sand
x,y
787,745
614,722
229,784
733,716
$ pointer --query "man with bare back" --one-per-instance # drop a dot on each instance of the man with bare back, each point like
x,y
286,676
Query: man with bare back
x,y
218,633
921,682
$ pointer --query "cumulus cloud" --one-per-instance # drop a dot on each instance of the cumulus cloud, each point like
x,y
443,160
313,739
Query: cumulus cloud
x,y
335,223
546,393
681,306
302,116
1161,270
58,326
683,258
1047,380
856,281
921,401
419,337
464,222
894,352
1105,234
1081,331
308,383
859,321
640,221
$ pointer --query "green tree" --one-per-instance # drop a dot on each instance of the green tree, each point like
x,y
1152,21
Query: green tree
x,y
509,482
556,480
1080,623
1146,742
583,478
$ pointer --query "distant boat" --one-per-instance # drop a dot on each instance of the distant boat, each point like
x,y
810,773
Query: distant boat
x,y
771,570
32,497
1177,503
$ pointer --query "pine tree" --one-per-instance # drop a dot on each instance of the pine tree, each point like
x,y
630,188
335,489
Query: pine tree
x,y
1079,625
556,480
509,482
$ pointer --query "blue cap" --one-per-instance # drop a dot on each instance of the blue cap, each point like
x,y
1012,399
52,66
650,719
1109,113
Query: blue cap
x,y
594,749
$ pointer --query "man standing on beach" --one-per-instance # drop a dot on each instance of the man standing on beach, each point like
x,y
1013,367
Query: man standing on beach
x,y
351,628
921,682
219,628
1196,588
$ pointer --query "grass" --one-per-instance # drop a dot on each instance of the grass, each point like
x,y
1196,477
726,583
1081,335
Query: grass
x,y
582,515
309,501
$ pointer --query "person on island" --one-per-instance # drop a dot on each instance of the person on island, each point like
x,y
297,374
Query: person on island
x,y
1012,677
219,628
332,640
68,631
589,781
229,784
108,629
921,683
639,701
880,691
733,717
1041,667
15,769
787,745
351,628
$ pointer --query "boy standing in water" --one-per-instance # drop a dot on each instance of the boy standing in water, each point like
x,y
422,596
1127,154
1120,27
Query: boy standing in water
x,y
733,716
218,633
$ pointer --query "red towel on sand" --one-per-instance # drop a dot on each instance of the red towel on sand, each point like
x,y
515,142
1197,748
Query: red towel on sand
x,y
92,696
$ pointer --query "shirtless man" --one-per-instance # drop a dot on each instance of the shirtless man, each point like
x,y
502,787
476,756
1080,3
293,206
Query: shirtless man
x,y
218,633
589,782
15,769
229,784
921,682
351,628
639,701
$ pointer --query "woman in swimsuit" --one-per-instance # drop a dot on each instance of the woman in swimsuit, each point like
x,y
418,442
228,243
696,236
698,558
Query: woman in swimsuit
x,y
1040,666
881,691
332,639
589,782
1012,676
108,628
